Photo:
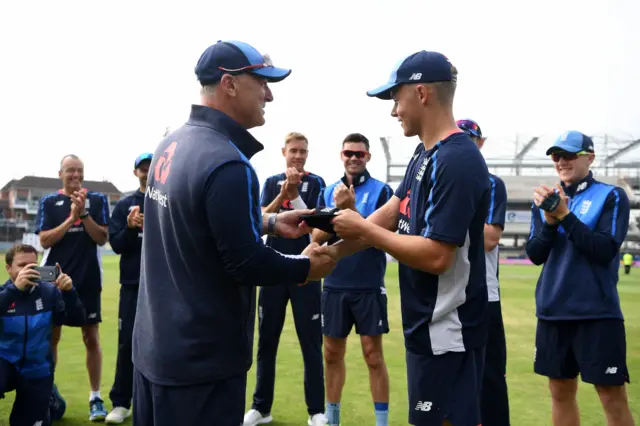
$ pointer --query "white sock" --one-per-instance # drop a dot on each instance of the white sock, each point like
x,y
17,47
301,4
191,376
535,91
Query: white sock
x,y
94,395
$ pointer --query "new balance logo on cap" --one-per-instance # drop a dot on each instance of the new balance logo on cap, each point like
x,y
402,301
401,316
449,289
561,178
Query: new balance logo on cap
x,y
416,76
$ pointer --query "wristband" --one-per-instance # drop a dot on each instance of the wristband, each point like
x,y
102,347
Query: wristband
x,y
271,225
85,215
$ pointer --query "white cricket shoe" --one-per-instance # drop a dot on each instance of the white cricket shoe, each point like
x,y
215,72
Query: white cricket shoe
x,y
117,415
255,417
318,420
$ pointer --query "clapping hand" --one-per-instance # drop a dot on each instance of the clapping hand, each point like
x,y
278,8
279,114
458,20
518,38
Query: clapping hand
x,y
542,192
344,198
78,199
135,218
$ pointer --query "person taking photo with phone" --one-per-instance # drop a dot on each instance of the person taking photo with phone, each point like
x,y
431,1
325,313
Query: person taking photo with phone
x,y
29,308
576,233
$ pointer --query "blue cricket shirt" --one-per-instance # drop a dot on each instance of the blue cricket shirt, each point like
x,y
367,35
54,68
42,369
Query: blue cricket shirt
x,y
445,197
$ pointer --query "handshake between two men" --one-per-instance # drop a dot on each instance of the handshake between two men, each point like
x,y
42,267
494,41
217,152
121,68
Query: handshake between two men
x,y
344,221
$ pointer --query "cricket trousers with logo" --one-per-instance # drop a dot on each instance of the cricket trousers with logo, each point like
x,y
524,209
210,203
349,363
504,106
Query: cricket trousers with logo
x,y
272,309
31,405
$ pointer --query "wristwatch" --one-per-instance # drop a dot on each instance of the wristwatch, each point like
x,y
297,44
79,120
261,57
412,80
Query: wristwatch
x,y
86,214
271,225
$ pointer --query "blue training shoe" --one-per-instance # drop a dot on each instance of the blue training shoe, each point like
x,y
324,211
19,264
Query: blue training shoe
x,y
97,412
57,404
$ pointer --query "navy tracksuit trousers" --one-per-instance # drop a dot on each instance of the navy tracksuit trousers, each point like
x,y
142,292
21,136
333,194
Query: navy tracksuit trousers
x,y
122,390
272,308
495,399
31,405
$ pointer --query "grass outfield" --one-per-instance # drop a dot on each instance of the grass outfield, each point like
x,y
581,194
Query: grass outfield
x,y
529,398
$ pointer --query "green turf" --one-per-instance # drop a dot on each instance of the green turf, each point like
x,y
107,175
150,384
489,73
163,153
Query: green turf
x,y
529,399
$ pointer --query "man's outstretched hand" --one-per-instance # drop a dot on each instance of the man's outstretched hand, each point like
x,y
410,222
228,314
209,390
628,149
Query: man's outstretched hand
x,y
321,263
289,225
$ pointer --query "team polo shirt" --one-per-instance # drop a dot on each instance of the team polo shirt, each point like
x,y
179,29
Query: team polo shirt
x,y
445,197
496,216
309,189
363,271
77,254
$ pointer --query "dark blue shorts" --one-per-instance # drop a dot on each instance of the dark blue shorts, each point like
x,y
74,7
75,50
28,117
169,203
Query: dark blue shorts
x,y
219,403
596,349
445,387
343,309
90,297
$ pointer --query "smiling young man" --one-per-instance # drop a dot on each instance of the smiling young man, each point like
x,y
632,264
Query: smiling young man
x,y
294,189
440,210
580,324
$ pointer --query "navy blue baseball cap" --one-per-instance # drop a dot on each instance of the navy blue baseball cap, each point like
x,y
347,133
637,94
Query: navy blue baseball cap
x,y
147,156
419,67
572,141
236,57
470,127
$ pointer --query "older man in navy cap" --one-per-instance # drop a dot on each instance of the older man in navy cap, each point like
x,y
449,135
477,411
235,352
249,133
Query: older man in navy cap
x,y
576,233
203,253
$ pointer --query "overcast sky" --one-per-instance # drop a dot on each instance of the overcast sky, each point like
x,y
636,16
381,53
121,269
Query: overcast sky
x,y
103,80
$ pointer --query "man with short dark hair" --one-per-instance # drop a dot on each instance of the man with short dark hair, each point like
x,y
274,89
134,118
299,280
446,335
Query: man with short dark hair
x,y
294,189
72,224
576,233
203,253
494,403
439,210
125,236
354,294
29,308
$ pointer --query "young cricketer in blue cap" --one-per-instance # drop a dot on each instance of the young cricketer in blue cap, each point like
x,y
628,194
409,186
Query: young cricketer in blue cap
x,y
440,210
580,324
125,237
203,253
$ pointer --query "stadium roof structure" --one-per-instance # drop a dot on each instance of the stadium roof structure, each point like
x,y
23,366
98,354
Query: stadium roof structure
x,y
617,158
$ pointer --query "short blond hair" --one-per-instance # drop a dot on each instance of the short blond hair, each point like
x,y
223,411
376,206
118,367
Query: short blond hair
x,y
295,136
445,90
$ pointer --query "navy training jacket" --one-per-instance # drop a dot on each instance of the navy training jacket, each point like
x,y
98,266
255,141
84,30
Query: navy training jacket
x,y
27,319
